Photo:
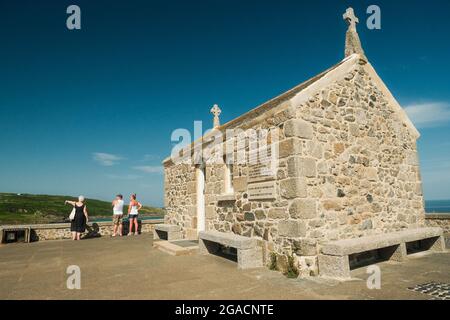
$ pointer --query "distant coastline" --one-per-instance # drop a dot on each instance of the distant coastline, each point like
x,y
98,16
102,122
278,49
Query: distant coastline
x,y
44,209
437,206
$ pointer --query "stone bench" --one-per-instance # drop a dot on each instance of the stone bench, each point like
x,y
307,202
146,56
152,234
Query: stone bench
x,y
167,232
249,254
334,257
4,230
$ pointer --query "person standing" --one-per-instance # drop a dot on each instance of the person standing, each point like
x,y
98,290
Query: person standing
x,y
78,224
117,214
133,212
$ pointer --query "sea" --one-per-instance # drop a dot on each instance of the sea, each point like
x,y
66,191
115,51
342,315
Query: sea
x,y
437,206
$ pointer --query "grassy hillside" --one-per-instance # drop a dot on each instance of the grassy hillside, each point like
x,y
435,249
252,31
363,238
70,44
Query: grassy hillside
x,y
28,208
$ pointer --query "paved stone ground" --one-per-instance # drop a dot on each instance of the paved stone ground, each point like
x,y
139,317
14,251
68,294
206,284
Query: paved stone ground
x,y
129,268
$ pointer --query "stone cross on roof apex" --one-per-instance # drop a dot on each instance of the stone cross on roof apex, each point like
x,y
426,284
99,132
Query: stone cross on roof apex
x,y
215,110
351,19
352,42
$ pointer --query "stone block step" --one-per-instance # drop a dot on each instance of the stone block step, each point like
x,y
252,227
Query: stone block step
x,y
174,249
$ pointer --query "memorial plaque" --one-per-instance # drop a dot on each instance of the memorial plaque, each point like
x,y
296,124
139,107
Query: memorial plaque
x,y
262,191
262,166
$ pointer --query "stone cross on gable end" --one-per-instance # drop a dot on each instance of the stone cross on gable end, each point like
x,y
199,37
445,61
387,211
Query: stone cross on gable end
x,y
352,42
215,110
351,19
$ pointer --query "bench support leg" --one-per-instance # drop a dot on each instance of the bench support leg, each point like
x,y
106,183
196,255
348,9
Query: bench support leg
x,y
156,235
174,235
394,253
400,253
334,266
250,258
435,244
170,235
27,235
207,247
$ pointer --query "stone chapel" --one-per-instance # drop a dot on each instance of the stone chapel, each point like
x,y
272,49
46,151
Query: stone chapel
x,y
347,168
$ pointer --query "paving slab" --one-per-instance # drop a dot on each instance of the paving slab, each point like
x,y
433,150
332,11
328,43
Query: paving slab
x,y
130,268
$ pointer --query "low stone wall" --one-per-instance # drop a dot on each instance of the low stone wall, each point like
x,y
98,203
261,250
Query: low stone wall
x,y
58,231
442,221
439,220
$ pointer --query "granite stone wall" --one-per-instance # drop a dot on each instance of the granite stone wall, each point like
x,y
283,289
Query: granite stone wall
x,y
180,198
348,167
439,220
61,231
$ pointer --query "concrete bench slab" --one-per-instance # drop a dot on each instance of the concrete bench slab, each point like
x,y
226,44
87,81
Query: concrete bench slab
x,y
334,257
228,239
355,245
167,232
5,229
167,227
248,252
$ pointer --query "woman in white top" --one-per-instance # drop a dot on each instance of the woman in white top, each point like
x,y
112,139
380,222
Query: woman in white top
x,y
117,214
133,212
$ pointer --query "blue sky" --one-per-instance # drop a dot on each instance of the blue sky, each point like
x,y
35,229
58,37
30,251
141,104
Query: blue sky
x,y
92,111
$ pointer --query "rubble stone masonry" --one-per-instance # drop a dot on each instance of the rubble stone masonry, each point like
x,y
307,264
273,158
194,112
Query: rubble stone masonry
x,y
348,167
